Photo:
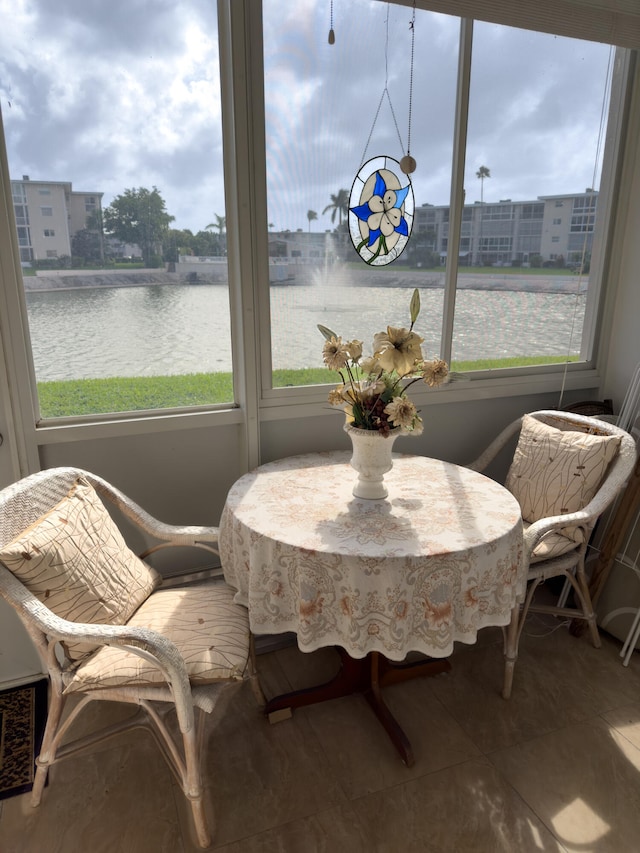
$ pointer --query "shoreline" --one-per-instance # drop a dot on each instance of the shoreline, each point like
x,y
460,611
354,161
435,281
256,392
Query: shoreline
x,y
512,282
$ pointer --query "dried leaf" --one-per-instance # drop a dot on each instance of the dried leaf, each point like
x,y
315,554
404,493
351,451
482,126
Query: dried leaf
x,y
414,308
327,332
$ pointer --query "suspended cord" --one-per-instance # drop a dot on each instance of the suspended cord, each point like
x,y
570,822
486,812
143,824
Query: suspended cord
x,y
603,112
385,92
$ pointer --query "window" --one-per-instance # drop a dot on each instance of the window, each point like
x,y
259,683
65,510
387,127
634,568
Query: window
x,y
505,327
532,211
165,343
507,215
320,105
535,130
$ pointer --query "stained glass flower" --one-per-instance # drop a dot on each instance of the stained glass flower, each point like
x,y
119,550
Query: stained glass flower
x,y
382,215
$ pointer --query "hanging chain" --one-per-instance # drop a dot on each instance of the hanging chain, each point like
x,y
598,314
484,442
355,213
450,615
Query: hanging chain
x,y
413,44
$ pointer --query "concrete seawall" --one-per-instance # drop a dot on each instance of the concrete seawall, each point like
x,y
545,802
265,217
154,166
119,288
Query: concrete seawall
x,y
519,282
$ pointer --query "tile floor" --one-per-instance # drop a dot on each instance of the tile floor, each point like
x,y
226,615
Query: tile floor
x,y
556,768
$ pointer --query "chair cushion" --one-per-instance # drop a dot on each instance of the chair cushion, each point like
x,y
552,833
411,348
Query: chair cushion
x,y
554,544
556,471
210,631
75,561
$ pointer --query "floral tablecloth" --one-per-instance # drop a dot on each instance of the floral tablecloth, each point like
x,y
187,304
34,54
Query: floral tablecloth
x,y
436,561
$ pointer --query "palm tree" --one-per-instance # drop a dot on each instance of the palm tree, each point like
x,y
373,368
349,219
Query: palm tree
x,y
482,173
220,224
311,214
340,205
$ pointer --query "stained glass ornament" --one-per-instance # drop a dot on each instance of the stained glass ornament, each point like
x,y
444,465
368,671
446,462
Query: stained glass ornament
x,y
381,211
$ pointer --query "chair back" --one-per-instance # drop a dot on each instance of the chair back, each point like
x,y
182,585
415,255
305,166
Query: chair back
x,y
622,464
24,502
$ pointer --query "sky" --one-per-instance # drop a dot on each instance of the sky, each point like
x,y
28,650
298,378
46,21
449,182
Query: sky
x,y
126,94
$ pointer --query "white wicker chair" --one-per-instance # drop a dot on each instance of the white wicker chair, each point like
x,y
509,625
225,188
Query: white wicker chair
x,y
179,672
548,550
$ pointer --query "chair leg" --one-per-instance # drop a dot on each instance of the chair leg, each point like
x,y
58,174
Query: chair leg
x,y
48,749
582,590
192,785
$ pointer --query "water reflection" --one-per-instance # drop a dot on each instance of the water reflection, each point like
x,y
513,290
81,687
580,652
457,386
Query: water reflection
x,y
162,329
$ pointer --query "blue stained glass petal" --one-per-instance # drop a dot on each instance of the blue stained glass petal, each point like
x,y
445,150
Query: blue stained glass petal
x,y
403,227
380,187
362,211
401,194
373,236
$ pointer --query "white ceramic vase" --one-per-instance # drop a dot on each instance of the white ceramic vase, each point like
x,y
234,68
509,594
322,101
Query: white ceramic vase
x,y
371,459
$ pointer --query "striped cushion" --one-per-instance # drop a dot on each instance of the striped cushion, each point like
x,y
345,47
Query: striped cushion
x,y
210,631
75,560
557,471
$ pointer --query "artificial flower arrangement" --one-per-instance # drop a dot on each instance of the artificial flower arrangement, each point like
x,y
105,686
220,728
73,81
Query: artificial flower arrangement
x,y
373,391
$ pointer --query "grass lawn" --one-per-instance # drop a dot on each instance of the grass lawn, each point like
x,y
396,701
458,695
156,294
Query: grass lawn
x,y
71,398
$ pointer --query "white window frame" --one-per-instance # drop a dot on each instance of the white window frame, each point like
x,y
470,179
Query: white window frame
x,y
480,384
242,81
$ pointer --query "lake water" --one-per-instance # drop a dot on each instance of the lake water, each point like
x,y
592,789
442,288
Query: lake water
x,y
176,329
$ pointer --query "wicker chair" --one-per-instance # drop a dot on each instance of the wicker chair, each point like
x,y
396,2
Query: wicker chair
x,y
107,632
566,470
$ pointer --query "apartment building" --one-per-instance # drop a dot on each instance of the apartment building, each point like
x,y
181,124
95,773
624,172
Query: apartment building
x,y
48,214
548,230
555,228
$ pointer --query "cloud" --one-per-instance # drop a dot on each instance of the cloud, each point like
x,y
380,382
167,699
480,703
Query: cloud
x,y
126,94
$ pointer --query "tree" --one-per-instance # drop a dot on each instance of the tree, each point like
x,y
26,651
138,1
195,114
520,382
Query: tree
x,y
221,225
339,205
311,215
482,173
87,244
139,216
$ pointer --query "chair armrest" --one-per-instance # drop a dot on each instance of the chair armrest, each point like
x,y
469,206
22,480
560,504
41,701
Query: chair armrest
x,y
585,517
488,455
539,529
141,641
168,534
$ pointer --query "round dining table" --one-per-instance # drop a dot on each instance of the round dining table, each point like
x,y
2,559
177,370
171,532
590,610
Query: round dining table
x,y
430,565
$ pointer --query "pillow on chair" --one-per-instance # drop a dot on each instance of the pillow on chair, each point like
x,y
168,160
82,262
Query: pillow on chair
x,y
75,561
557,471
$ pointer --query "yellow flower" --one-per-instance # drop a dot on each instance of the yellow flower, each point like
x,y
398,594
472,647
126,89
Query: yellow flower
x,y
354,348
337,396
435,372
401,412
398,349
370,365
335,354
370,390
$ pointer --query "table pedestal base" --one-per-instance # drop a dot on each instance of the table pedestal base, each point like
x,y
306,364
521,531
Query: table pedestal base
x,y
367,676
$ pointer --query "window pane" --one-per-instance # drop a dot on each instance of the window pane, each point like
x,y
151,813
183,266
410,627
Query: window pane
x,y
321,127
115,148
532,177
